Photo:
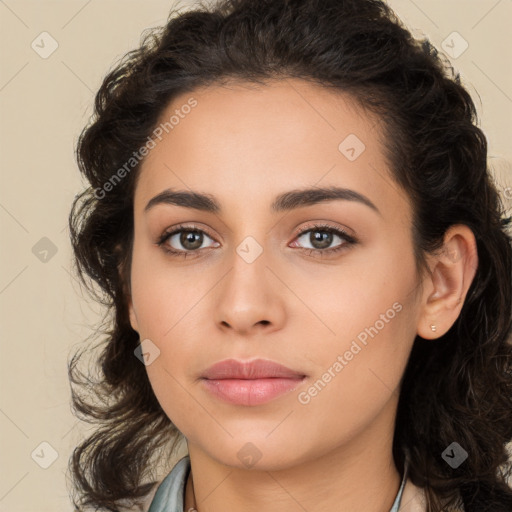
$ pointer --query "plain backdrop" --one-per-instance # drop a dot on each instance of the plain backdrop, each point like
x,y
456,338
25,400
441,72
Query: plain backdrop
x,y
45,101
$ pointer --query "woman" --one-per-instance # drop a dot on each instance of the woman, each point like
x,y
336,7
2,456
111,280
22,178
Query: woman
x,y
291,219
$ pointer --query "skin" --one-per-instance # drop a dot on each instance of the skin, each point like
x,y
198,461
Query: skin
x,y
245,145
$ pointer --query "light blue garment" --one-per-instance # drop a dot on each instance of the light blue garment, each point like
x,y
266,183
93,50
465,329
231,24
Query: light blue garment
x,y
170,492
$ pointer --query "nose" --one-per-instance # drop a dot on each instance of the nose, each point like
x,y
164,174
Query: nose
x,y
250,298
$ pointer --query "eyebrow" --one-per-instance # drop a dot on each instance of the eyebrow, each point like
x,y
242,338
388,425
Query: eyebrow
x,y
283,202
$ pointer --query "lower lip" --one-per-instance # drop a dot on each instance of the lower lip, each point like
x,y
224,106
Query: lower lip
x,y
251,391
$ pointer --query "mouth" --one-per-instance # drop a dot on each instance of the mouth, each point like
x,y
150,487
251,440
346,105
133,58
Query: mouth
x,y
255,369
250,383
251,392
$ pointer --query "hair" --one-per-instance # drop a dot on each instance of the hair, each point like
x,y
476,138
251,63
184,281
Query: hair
x,y
457,388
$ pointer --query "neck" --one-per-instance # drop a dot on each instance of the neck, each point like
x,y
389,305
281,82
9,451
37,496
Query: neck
x,y
356,475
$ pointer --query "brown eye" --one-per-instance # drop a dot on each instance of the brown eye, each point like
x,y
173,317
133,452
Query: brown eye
x,y
184,240
321,238
191,240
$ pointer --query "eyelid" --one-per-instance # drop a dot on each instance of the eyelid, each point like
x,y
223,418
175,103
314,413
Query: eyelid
x,y
323,225
311,226
183,227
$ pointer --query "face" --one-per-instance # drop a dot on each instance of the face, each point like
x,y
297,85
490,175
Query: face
x,y
324,285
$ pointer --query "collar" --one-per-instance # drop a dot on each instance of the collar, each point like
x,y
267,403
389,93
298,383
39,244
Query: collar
x,y
168,495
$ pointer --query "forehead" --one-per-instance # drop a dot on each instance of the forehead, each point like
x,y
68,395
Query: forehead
x,y
239,140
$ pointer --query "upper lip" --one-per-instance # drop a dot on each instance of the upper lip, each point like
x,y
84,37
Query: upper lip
x,y
255,369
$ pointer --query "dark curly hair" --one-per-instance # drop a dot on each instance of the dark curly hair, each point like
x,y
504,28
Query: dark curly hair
x,y
457,388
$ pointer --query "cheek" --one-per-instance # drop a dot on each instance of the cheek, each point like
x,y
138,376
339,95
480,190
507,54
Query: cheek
x,y
165,304
367,313
370,290
358,370
163,295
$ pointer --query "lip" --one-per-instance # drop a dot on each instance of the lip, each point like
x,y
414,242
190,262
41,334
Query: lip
x,y
250,383
254,369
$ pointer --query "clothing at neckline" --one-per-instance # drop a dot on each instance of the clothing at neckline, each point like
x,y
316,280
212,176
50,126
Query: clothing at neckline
x,y
169,494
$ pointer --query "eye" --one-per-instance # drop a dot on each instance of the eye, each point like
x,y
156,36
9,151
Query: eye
x,y
320,237
190,238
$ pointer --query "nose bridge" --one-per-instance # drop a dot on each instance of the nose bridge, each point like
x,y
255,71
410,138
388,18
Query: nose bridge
x,y
250,237
248,295
250,249
249,262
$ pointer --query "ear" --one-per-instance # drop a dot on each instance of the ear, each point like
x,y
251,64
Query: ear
x,y
452,271
133,317
126,287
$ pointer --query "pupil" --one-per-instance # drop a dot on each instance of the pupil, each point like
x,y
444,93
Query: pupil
x,y
325,240
188,237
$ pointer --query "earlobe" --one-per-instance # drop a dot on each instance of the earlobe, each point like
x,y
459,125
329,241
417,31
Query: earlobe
x,y
453,269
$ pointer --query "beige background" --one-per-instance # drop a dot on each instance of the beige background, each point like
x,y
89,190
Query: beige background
x,y
44,104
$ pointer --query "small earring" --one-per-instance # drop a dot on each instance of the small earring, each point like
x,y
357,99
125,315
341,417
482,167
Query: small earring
x,y
433,327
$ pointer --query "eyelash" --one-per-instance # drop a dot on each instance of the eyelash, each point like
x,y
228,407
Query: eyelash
x,y
349,240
